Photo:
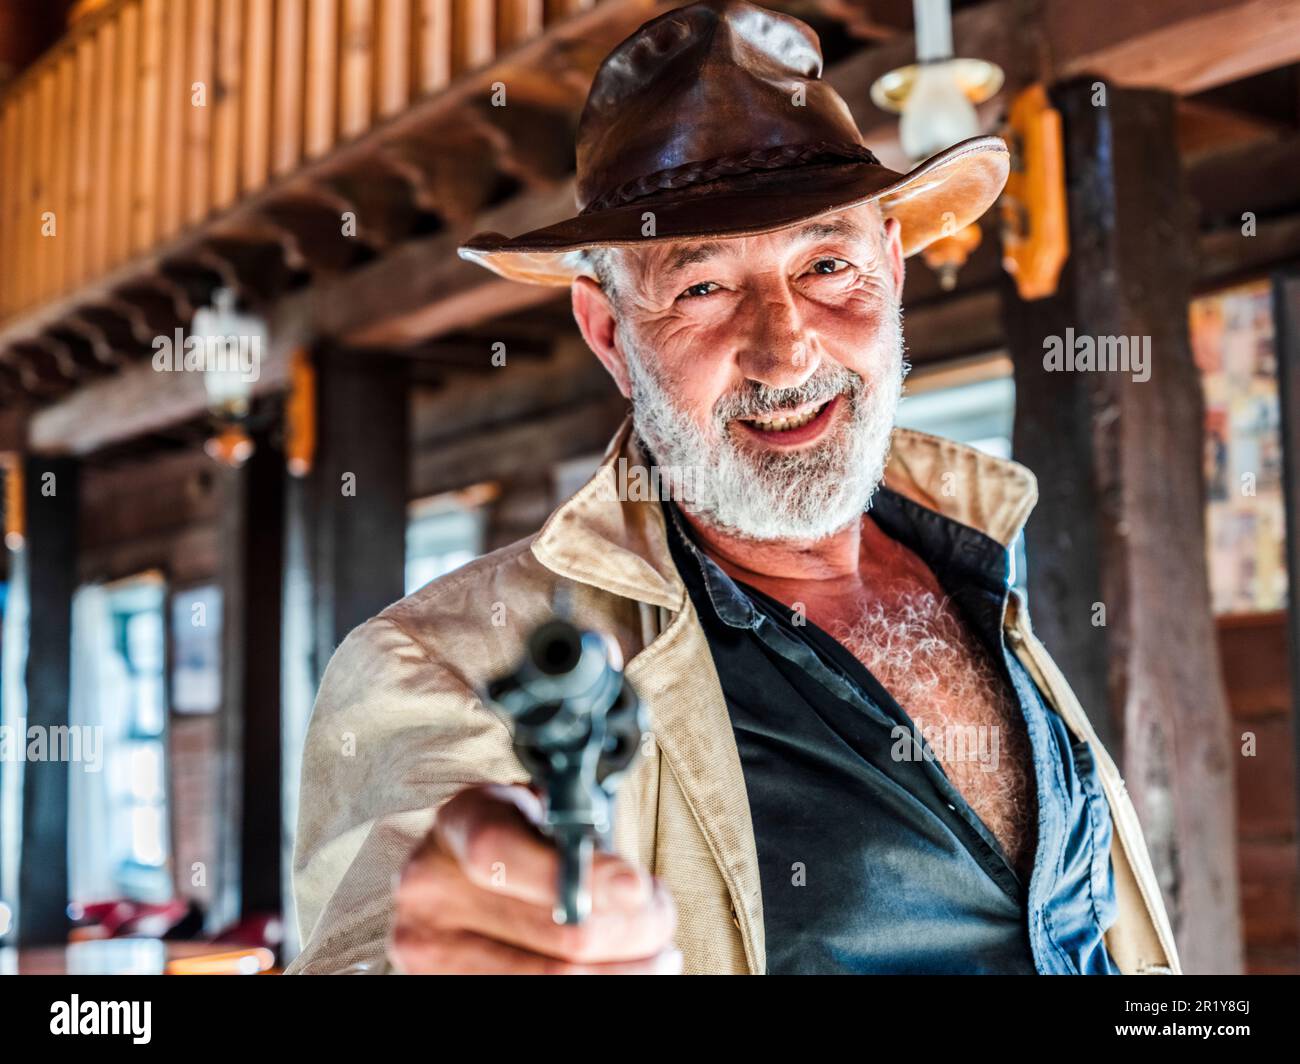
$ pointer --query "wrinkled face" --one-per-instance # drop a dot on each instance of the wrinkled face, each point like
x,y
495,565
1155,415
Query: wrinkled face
x,y
764,372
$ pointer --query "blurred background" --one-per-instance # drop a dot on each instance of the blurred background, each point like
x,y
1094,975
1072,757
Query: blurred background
x,y
287,180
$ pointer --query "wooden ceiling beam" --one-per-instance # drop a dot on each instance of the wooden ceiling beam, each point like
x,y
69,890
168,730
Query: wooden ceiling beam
x,y
191,284
139,402
468,353
452,170
83,352
41,371
870,20
152,308
123,338
967,323
1182,46
380,204
1261,178
570,377
15,409
423,288
1226,256
61,355
254,269
533,144
1206,128
97,337
310,229
547,439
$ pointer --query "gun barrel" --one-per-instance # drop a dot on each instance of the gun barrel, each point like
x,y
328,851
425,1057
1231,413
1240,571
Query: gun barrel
x,y
563,664
576,727
573,888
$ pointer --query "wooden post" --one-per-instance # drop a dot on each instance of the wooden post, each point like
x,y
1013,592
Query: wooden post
x,y
249,881
49,571
1286,304
346,524
358,494
1116,549
345,533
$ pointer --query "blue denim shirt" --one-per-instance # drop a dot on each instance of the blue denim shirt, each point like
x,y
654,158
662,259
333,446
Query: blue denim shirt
x,y
871,863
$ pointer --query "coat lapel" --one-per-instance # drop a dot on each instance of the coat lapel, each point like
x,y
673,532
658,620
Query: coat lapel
x,y
676,677
621,546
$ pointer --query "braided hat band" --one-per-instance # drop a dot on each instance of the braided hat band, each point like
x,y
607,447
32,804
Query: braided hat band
x,y
702,172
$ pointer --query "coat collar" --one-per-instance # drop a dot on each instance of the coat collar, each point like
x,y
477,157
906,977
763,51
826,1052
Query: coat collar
x,y
621,546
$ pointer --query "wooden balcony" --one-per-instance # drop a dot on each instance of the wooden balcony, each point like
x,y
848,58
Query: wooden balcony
x,y
163,147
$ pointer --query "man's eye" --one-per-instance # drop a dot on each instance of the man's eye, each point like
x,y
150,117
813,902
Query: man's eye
x,y
704,288
828,266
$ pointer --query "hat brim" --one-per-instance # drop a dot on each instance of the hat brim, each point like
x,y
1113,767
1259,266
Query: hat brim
x,y
938,197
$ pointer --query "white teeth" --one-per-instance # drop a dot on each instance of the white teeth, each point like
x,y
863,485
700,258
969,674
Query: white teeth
x,y
785,424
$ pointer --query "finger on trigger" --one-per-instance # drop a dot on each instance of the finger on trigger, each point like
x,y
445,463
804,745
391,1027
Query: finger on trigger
x,y
492,833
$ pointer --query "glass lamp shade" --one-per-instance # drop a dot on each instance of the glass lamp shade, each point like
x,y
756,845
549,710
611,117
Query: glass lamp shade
x,y
937,113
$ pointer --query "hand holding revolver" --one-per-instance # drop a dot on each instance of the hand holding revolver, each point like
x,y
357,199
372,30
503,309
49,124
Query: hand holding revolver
x,y
513,879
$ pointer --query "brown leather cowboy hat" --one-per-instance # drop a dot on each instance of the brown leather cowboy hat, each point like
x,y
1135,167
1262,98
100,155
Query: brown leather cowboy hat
x,y
712,121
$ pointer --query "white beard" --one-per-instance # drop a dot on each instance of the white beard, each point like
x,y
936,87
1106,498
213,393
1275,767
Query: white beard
x,y
771,495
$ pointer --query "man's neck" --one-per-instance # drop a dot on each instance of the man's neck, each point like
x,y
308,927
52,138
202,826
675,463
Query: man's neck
x,y
830,575
833,559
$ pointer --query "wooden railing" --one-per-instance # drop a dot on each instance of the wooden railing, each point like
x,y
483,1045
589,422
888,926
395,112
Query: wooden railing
x,y
150,116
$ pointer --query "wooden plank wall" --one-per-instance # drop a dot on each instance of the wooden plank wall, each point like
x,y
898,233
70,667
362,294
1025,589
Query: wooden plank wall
x,y
152,115
1253,649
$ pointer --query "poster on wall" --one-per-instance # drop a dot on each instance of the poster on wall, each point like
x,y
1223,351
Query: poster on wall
x,y
196,650
1233,342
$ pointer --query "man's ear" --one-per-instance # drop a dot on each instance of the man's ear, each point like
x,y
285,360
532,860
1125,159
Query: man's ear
x,y
594,314
894,253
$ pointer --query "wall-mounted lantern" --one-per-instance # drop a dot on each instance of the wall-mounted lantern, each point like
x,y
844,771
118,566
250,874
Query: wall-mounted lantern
x,y
232,345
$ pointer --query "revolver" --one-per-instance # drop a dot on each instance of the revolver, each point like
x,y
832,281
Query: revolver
x,y
576,724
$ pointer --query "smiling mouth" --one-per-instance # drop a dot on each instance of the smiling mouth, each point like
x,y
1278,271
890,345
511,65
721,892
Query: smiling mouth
x,y
786,422
795,426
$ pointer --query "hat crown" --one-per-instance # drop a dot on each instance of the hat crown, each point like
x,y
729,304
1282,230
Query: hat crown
x,y
715,79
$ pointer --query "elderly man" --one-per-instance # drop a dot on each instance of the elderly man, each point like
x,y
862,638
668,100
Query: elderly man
x,y
809,615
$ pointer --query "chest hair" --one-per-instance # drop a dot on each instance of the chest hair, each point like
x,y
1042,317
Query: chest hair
x,y
917,646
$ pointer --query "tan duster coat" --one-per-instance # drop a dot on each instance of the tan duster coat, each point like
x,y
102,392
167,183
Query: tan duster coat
x,y
397,728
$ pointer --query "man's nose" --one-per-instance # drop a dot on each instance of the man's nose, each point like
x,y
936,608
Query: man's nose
x,y
775,350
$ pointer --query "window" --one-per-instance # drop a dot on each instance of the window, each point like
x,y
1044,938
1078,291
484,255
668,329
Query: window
x,y
138,799
972,402
119,841
444,532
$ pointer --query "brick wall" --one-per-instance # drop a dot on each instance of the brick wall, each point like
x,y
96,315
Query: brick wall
x,y
1253,649
194,798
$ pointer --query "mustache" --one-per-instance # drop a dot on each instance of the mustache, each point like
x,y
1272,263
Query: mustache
x,y
755,399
